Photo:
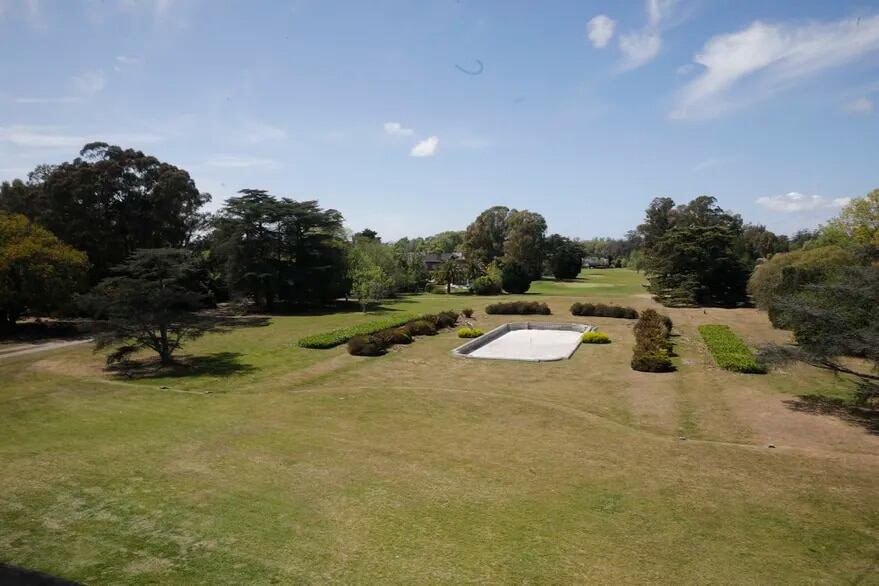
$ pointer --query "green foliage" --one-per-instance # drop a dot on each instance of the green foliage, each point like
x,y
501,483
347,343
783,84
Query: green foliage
x,y
443,319
515,278
789,272
450,273
421,327
468,312
602,310
278,249
486,285
728,350
652,352
367,346
595,338
110,202
565,258
838,318
470,333
524,243
518,308
38,272
152,301
484,238
393,336
333,338
692,253
369,285
858,223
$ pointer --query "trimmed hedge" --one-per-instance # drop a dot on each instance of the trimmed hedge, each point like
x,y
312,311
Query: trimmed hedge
x,y
486,285
653,349
469,333
602,310
367,346
333,338
518,308
595,338
729,351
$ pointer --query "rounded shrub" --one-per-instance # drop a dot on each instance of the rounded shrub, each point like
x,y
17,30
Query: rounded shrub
x,y
595,338
366,346
486,285
469,333
393,336
468,312
515,278
421,327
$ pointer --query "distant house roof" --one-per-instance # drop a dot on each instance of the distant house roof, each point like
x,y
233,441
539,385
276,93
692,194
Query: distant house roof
x,y
435,259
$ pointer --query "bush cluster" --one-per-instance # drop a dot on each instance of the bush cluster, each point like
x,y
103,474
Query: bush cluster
x,y
468,312
729,351
515,278
653,349
595,338
378,343
486,285
333,338
518,308
602,310
469,333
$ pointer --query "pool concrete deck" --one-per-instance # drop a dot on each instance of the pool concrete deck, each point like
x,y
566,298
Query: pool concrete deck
x,y
528,341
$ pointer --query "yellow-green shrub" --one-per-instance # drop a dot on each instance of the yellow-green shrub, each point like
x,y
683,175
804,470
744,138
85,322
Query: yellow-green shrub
x,y
595,338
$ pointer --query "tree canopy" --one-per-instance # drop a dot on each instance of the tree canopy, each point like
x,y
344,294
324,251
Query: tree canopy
x,y
280,249
109,202
38,272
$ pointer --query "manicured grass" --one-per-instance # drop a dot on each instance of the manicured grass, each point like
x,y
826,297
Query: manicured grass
x,y
593,283
728,350
333,338
267,462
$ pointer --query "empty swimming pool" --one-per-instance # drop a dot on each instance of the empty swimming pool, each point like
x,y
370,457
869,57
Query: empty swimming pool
x,y
534,342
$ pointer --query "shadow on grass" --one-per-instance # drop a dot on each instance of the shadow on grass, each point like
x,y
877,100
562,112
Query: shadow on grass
x,y
217,364
39,331
818,405
23,577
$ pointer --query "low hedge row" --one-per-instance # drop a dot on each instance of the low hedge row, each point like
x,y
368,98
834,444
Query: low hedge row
x,y
653,349
729,351
378,343
518,308
602,310
333,338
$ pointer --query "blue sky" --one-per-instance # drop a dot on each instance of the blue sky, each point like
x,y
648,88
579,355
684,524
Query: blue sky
x,y
583,111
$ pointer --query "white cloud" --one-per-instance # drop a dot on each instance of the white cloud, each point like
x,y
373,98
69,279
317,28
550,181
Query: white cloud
x,y
862,105
89,83
425,148
259,132
240,162
397,129
639,48
600,30
797,202
122,62
53,137
763,59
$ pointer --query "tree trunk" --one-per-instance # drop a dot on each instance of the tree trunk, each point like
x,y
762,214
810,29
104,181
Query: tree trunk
x,y
164,349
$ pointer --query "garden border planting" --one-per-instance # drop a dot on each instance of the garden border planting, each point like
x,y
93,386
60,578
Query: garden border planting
x,y
729,351
333,338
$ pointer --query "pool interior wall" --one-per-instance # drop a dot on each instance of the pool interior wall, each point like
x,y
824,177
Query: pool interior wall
x,y
529,341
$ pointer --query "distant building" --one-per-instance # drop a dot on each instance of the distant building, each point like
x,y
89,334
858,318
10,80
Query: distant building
x,y
433,261
596,262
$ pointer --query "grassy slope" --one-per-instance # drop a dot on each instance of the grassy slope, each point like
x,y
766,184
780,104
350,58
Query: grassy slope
x,y
314,466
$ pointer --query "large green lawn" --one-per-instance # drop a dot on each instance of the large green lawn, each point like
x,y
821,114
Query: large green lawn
x,y
268,463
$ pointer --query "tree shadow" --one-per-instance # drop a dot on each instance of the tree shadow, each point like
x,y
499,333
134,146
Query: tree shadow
x,y
865,417
217,364
40,331
23,577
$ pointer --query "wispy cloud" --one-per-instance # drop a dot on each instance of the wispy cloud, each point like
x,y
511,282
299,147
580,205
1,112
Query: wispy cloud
x,y
797,202
713,163
240,162
53,137
753,64
259,132
121,63
425,148
83,86
600,30
641,47
862,105
397,129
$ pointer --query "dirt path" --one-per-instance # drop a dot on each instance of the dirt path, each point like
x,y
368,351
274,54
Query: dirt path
x,y
31,349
